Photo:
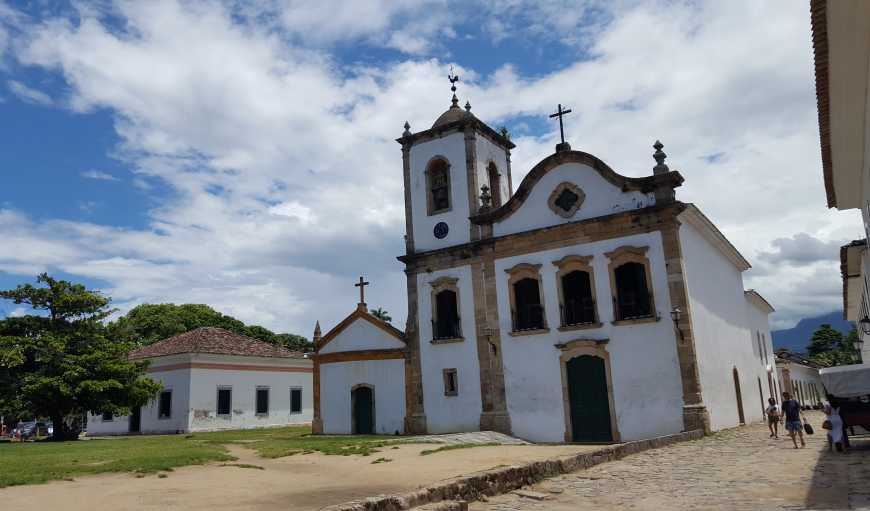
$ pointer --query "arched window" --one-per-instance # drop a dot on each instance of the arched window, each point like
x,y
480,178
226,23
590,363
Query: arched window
x,y
578,304
527,296
630,284
446,322
438,186
494,184
632,293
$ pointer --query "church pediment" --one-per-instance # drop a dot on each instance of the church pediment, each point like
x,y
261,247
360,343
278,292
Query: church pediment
x,y
361,331
566,197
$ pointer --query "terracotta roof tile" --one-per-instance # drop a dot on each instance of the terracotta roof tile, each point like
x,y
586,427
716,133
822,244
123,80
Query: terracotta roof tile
x,y
213,340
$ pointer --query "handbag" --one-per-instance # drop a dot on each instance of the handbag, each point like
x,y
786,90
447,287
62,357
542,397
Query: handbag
x,y
807,428
827,425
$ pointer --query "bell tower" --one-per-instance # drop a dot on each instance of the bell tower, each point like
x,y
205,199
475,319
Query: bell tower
x,y
451,171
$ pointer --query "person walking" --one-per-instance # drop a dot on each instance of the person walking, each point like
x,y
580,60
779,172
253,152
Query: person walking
x,y
791,410
772,412
834,424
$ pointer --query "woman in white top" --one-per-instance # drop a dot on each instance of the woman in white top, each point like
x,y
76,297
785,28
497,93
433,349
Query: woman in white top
x,y
772,412
834,424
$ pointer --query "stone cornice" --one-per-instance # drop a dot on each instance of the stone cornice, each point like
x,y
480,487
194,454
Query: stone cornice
x,y
457,126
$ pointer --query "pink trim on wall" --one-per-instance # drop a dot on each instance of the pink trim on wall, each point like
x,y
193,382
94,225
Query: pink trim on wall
x,y
230,367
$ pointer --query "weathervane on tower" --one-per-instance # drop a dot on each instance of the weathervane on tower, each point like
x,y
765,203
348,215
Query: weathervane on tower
x,y
453,79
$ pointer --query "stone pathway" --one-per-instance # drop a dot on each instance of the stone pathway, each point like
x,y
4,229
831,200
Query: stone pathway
x,y
476,437
738,469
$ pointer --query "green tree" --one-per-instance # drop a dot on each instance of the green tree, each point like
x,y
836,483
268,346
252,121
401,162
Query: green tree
x,y
824,340
59,363
829,347
149,323
382,315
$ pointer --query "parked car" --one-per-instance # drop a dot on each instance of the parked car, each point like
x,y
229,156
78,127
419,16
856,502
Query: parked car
x,y
25,430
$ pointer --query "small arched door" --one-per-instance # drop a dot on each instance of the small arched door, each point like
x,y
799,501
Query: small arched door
x,y
588,399
363,403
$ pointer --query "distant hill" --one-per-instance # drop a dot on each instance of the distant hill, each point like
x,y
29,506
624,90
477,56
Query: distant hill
x,y
798,337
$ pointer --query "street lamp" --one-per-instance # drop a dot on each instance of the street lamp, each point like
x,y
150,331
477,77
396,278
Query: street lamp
x,y
675,317
865,325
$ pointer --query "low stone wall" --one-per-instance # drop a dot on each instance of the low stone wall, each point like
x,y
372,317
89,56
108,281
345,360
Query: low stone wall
x,y
504,479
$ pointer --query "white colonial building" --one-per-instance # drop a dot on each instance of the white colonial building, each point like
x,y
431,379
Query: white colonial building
x,y
215,379
800,377
841,40
585,306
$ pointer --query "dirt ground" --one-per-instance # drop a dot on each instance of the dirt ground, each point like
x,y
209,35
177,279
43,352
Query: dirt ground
x,y
300,482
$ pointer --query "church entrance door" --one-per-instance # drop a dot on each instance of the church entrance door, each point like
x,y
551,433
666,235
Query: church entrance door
x,y
588,399
363,403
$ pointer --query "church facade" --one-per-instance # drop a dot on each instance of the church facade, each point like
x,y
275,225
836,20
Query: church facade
x,y
585,306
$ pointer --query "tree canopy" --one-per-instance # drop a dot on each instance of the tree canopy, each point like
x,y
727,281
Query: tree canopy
x,y
60,363
149,323
830,347
382,315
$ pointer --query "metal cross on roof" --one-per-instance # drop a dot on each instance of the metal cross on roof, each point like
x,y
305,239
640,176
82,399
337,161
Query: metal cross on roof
x,y
560,113
362,289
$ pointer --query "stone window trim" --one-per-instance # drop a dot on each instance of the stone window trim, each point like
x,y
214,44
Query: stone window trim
x,y
595,348
517,273
561,187
494,176
438,285
218,400
566,265
631,254
451,382
430,203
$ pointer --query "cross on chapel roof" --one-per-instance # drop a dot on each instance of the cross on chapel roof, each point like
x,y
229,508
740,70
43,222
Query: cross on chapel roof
x,y
362,292
563,146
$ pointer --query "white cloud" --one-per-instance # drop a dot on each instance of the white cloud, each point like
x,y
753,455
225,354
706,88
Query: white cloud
x,y
28,94
287,181
99,175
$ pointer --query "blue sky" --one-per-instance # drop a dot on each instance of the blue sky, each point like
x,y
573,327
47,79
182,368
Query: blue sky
x,y
240,153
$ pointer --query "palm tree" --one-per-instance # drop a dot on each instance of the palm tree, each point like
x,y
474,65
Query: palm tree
x,y
382,315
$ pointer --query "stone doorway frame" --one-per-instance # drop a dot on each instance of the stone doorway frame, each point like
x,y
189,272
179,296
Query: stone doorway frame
x,y
353,430
595,348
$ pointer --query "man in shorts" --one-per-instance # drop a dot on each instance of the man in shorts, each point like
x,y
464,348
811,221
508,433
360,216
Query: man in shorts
x,y
791,411
772,412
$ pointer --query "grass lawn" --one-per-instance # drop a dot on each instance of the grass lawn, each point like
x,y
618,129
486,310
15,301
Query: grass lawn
x,y
38,462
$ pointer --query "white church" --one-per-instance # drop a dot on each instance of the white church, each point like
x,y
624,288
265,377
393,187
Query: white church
x,y
582,306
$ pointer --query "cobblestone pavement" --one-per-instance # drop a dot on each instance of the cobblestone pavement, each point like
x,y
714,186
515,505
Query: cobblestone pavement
x,y
740,469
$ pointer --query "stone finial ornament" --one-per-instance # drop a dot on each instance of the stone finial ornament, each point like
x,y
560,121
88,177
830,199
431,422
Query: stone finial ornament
x,y
659,157
485,198
468,106
407,132
316,337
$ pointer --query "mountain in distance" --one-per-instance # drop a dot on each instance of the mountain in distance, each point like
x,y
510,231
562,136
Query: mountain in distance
x,y
798,337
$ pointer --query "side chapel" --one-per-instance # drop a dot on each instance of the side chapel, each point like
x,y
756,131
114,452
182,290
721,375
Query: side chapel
x,y
585,306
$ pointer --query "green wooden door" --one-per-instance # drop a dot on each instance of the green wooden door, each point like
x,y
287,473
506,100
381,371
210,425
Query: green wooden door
x,y
363,410
589,403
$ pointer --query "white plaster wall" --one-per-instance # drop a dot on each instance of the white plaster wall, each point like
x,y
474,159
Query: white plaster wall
x,y
645,371
490,152
602,198
759,327
178,381
451,147
806,376
205,382
723,337
446,414
338,378
362,335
